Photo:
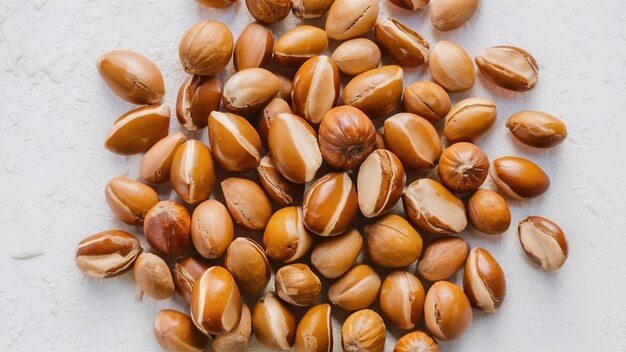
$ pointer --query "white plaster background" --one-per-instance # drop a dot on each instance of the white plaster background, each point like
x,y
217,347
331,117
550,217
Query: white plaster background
x,y
56,111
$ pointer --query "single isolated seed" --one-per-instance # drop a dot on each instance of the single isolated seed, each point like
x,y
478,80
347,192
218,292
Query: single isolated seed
x,y
537,129
246,261
153,277
451,67
156,164
469,120
447,15
211,229
406,46
192,173
351,18
107,253
509,67
483,281
447,311
254,47
296,284
414,140
392,242
286,239
519,178
443,258
489,212
138,130
174,331
186,272
235,144
130,200
333,256
315,330
300,44
237,339
463,167
375,92
273,324
277,187
269,11
316,88
380,183
428,100
544,242
197,97
416,341
357,289
247,203
402,299
249,90
356,56
205,48
363,331
167,228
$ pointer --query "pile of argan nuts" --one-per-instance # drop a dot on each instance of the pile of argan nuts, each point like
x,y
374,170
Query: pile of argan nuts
x,y
361,174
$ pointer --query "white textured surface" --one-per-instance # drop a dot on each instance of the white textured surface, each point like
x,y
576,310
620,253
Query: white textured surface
x,y
53,168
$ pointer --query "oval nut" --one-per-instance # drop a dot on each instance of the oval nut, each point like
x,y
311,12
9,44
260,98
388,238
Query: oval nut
x,y
543,241
237,339
316,88
254,47
363,331
300,44
249,90
167,228
286,238
280,189
273,324
153,277
406,46
296,284
307,9
156,164
380,183
211,229
483,281
488,212
356,56
130,200
197,97
428,100
469,119
402,299
351,18
330,205
205,48
192,173
333,256
519,178
451,67
235,144
186,272
375,92
138,130
247,203
447,311
355,290
315,330
414,140
246,261
443,258
392,242
269,11
509,67
447,15
463,167
107,253
537,129
174,331
416,341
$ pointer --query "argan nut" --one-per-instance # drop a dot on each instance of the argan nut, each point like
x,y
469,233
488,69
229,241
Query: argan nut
x,y
235,144
451,67
363,331
286,238
537,129
357,289
432,208
167,227
216,305
463,167
277,187
211,229
489,212
380,183
300,44
138,130
286,87
156,164
509,67
308,9
218,4
403,44
247,203
316,88
346,137
293,148
447,311
483,281
416,341
330,205
375,92
333,256
186,272
428,100
249,90
296,284
315,330
254,47
131,76
246,261
197,97
153,276
356,56
107,253
392,242
519,178
192,173
543,241
174,331
351,18
130,200
205,48
237,339
269,11
274,108
447,15
414,140
412,5
469,119
402,299
443,258
273,324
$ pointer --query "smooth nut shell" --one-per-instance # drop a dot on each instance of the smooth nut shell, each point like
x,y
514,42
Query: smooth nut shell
x,y
247,203
235,144
414,140
153,276
197,97
308,9
277,187
131,76
363,331
249,90
537,129
269,11
246,261
330,205
296,284
211,229
406,46
107,253
483,281
286,238
402,299
380,183
451,67
412,5
469,119
237,339
315,330
428,100
274,108
447,311
357,289
192,173
138,130
375,92
185,272
443,258
254,47
509,67
333,256
543,241
205,48
130,200
351,18
273,324
489,212
299,44
156,164
519,178
392,242
416,341
432,208
174,331
356,56
167,228
463,167
316,88
447,15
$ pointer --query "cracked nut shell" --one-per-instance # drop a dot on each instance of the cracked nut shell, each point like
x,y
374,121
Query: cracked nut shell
x,y
107,253
197,97
451,67
277,187
406,46
130,200
509,67
211,229
156,164
469,119
402,299
316,88
544,242
315,330
235,144
247,203
300,44
330,205
167,227
380,183
483,281
414,140
249,90
186,272
519,178
363,331
432,208
375,92
174,331
296,284
447,311
138,130
333,256
153,276
443,258
351,18
274,108
392,242
356,56
489,212
428,100
269,11
192,173
237,339
273,324
246,261
254,47
463,167
355,290
537,129
205,48
286,238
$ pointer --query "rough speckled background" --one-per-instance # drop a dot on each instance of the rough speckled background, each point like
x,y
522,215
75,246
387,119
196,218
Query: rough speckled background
x,y
56,111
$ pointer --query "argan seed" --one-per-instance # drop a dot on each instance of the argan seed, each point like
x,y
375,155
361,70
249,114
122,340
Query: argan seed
x,y
192,173
211,229
509,67
153,276
489,212
519,178
273,324
443,258
254,47
167,228
469,119
363,331
392,242
380,183
296,284
463,167
247,203
235,144
447,15
246,261
197,97
300,44
186,272
156,164
483,281
356,56
315,330
428,100
330,205
138,130
174,331
402,299
130,200
537,129
544,242
286,238
403,44
316,88
414,140
351,18
269,11
237,339
375,92
357,289
205,48
333,256
416,341
249,90
107,253
451,67
277,187
447,311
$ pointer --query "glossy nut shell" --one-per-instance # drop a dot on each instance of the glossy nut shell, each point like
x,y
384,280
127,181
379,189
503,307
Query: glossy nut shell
x,y
273,324
296,284
277,187
269,11
197,97
346,137
192,173
246,261
416,341
428,100
451,67
186,272
392,242
443,258
107,253
375,92
153,276
307,9
333,256
363,331
432,208
543,241
286,238
403,44
469,119
138,130
316,88
380,183
174,331
509,67
315,330
167,227
412,5
156,164
249,90
205,48
299,44
463,167
537,129
402,299
330,205
130,200
237,339
488,212
483,281
216,305
447,15
274,108
247,203
254,47
447,311
131,76
414,140
356,56
357,289
235,144
519,178
211,229
351,18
